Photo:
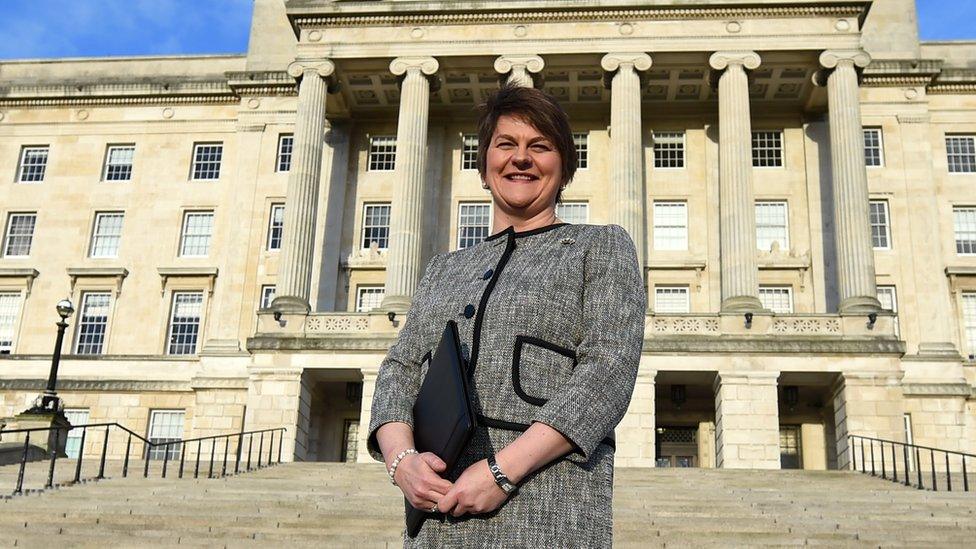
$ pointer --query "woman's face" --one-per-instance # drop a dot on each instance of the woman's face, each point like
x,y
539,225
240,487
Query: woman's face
x,y
523,168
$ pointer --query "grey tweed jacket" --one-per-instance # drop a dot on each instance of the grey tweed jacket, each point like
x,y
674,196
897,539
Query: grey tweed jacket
x,y
551,322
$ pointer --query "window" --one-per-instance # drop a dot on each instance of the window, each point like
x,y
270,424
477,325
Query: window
x,y
9,310
350,438
961,152
369,298
474,221
20,234
165,426
771,225
669,149
889,302
767,149
197,231
92,323
184,323
118,163
969,322
267,295
276,226
382,153
873,148
670,225
671,299
286,142
880,232
576,213
206,160
469,151
778,299
106,234
582,143
964,222
33,164
73,443
376,225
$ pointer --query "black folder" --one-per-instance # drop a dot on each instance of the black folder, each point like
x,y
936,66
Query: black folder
x,y
443,417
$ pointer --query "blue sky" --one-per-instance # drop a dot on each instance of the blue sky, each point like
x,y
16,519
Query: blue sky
x,y
81,28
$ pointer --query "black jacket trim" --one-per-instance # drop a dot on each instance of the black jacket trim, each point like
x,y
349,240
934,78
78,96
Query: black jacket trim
x,y
522,427
480,314
518,234
521,340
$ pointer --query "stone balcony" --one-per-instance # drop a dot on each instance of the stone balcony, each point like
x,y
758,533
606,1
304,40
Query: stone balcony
x,y
663,334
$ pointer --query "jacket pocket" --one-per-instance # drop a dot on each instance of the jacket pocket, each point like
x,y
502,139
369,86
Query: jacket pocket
x,y
540,369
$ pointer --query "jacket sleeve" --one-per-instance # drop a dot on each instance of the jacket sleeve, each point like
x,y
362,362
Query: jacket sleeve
x,y
597,394
398,380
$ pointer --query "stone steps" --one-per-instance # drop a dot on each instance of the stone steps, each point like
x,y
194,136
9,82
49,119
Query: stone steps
x,y
345,505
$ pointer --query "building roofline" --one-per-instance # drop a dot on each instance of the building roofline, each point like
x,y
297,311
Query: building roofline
x,y
120,58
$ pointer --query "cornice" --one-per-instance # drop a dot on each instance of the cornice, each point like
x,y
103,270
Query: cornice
x,y
249,83
583,14
117,93
110,385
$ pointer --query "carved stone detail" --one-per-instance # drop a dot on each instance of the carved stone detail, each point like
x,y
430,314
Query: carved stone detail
x,y
806,326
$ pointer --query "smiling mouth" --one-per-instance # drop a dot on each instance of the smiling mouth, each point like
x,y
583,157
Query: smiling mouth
x,y
521,177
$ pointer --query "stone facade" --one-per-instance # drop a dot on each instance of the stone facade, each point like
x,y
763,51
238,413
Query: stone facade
x,y
766,343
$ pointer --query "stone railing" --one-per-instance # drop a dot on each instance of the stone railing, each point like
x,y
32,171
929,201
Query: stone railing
x,y
823,325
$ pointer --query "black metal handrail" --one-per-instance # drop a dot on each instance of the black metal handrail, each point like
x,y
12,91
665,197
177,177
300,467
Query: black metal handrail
x,y
912,456
149,447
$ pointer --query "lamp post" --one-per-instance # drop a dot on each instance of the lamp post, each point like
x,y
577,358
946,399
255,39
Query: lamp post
x,y
49,402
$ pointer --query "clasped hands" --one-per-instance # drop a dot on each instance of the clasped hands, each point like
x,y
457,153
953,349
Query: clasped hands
x,y
474,492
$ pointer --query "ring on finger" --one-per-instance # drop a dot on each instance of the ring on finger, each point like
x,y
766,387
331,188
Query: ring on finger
x,y
433,508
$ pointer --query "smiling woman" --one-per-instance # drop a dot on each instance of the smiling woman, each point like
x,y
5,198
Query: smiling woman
x,y
552,350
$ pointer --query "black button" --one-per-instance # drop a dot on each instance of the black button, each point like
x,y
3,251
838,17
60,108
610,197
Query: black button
x,y
488,274
468,311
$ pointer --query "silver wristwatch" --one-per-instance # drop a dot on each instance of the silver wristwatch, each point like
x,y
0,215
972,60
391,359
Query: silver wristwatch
x,y
500,479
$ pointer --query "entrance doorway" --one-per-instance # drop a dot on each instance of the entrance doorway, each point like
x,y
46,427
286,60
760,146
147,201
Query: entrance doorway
x,y
789,447
684,415
334,405
806,421
677,446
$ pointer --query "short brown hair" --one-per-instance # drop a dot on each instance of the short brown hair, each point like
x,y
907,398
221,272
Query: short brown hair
x,y
539,109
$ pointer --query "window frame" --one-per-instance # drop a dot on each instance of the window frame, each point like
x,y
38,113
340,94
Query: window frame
x,y
581,142
672,289
264,301
384,163
7,235
170,323
283,156
469,156
21,163
16,316
786,223
272,227
92,242
881,288
681,149
461,227
364,289
956,209
71,414
887,224
655,226
183,233
778,287
80,324
194,161
108,159
968,322
172,451
364,227
781,157
880,146
950,154
586,208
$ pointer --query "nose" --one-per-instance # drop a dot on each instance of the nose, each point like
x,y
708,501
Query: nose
x,y
521,159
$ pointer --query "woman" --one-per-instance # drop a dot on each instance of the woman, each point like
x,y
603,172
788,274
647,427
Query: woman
x,y
551,319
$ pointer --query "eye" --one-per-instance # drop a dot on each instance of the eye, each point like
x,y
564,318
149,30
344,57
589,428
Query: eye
x,y
541,147
504,144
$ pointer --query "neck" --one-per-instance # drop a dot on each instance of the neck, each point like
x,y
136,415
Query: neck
x,y
503,220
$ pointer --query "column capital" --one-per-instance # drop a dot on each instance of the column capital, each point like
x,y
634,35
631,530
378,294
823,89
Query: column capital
x,y
721,60
831,59
427,66
611,62
520,68
324,67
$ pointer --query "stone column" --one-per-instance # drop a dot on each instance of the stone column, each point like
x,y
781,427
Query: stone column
x,y
855,256
295,271
626,144
365,414
635,433
871,405
737,209
747,420
404,261
517,70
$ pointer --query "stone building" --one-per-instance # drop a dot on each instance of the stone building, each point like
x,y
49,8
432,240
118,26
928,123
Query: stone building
x,y
798,176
